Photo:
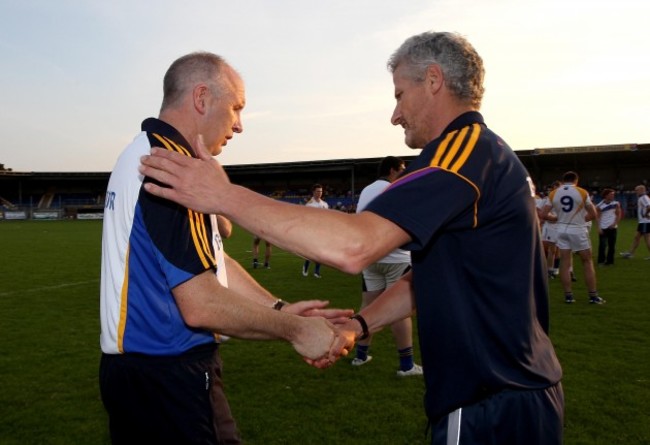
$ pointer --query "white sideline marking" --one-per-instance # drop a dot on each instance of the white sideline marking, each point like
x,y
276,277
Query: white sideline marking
x,y
42,288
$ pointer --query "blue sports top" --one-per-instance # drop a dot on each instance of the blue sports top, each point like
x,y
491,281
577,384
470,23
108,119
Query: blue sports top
x,y
149,246
478,269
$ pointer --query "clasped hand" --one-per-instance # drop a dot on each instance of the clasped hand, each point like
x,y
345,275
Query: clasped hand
x,y
324,342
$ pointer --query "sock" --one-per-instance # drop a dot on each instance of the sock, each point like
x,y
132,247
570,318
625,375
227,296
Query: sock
x,y
568,295
593,294
556,263
405,358
362,352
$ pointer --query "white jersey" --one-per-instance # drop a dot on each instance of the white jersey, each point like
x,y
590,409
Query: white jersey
x,y
149,248
318,204
569,204
368,194
643,209
608,215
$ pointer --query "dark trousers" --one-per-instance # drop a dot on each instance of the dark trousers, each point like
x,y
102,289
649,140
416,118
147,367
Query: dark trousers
x,y
522,417
305,267
607,246
167,400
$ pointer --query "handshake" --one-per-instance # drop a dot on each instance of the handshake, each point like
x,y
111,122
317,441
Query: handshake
x,y
322,336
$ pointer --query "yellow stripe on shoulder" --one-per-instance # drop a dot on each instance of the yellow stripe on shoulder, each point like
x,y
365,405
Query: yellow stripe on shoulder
x,y
179,148
198,242
163,141
442,148
453,157
451,154
197,220
204,237
469,147
583,193
171,145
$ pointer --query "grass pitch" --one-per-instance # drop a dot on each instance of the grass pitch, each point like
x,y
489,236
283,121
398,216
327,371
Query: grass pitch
x,y
49,353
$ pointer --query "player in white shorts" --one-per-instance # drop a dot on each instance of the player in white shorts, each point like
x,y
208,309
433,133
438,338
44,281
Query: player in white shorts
x,y
549,238
379,276
574,211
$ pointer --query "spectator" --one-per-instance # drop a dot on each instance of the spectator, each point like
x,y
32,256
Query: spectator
x,y
315,201
609,215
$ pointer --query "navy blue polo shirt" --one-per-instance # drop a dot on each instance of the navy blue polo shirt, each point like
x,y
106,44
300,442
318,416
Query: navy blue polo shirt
x,y
478,269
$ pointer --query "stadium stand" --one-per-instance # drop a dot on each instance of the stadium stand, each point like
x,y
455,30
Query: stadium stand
x,y
81,194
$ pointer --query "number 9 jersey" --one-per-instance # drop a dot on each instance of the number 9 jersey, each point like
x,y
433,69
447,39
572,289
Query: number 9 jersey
x,y
570,204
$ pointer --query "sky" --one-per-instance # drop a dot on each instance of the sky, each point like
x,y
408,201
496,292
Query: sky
x,y
78,77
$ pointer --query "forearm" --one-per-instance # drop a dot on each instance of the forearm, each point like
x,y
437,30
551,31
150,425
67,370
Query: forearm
x,y
251,321
244,285
204,304
394,304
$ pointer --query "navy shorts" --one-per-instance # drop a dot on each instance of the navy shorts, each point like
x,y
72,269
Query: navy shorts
x,y
643,228
167,400
510,417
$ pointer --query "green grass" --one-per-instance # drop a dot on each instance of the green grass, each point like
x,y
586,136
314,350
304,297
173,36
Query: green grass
x,y
49,353
49,331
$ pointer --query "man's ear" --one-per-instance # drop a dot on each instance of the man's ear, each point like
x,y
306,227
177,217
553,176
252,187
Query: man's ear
x,y
434,78
200,96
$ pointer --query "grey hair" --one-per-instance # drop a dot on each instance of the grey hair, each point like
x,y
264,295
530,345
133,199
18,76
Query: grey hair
x,y
187,71
457,58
